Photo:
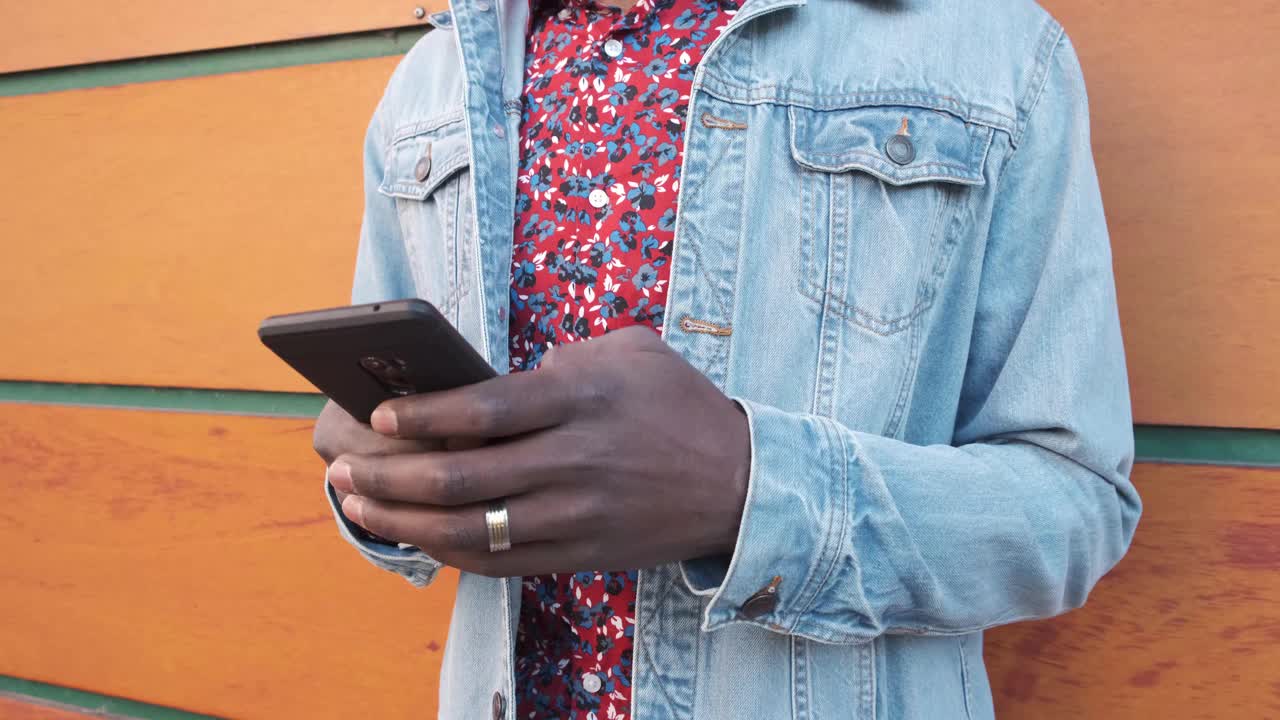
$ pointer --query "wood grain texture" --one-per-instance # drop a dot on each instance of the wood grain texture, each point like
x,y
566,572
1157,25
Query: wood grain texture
x,y
160,216
1187,625
1186,134
192,561
52,33
155,225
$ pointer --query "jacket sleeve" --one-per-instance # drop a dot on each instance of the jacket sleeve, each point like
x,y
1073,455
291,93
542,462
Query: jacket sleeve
x,y
1028,506
382,273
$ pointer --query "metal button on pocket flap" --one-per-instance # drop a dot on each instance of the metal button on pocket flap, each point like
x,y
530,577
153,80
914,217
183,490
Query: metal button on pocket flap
x,y
424,155
763,602
900,144
422,169
499,705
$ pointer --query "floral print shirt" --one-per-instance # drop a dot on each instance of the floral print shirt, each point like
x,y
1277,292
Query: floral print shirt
x,y
606,95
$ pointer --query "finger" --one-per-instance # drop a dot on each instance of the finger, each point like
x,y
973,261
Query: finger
x,y
444,532
499,407
539,558
451,478
336,433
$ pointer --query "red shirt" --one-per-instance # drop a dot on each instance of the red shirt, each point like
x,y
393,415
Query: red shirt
x,y
606,96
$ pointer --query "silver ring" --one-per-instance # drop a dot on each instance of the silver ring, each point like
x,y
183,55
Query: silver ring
x,y
495,519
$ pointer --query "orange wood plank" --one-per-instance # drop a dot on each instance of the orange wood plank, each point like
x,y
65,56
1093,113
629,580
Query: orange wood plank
x,y
192,561
1186,132
1186,626
156,224
164,214
17,708
61,32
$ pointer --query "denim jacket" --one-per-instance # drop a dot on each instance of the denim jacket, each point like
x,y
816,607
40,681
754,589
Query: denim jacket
x,y
891,251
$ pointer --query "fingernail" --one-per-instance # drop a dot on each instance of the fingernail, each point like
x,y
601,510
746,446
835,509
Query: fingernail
x,y
339,475
383,420
353,508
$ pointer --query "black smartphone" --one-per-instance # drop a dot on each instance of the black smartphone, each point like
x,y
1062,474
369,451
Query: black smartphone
x,y
362,355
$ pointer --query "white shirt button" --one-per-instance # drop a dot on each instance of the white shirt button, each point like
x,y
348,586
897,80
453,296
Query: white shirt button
x,y
592,683
598,198
613,47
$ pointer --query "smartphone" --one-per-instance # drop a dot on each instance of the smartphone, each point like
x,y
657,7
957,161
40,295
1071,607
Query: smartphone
x,y
362,355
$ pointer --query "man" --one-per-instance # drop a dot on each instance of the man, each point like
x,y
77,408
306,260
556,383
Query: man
x,y
885,407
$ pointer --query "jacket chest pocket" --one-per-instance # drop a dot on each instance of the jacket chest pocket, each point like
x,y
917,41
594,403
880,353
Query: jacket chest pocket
x,y
427,172
879,188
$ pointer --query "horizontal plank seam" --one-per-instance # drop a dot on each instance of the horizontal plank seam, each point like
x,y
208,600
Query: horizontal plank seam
x,y
89,704
1176,444
201,63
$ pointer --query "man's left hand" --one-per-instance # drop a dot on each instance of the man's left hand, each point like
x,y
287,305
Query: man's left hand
x,y
614,454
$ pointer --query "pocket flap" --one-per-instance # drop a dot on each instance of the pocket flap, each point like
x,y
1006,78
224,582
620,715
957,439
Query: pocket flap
x,y
424,155
900,144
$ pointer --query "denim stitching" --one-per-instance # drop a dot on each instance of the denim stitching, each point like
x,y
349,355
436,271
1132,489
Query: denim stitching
x,y
421,127
831,542
800,665
876,156
420,191
1044,55
906,383
964,679
970,112
925,291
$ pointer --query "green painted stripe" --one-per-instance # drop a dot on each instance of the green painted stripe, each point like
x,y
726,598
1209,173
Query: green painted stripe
x,y
1206,445
79,700
234,402
355,46
1155,443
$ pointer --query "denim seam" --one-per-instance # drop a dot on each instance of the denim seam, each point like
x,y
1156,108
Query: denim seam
x,y
706,278
884,327
1035,87
901,174
832,539
905,385
452,299
458,290
661,681
731,41
970,112
455,251
422,190
980,145
420,127
638,643
801,688
964,679
508,651
867,651
795,710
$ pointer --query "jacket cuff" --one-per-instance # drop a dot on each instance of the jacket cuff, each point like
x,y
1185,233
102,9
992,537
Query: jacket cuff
x,y
403,559
797,510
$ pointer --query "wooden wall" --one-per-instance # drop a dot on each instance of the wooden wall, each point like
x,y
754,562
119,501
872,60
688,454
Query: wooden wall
x,y
187,559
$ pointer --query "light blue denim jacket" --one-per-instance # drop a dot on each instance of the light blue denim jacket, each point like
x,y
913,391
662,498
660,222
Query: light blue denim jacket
x,y
928,351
